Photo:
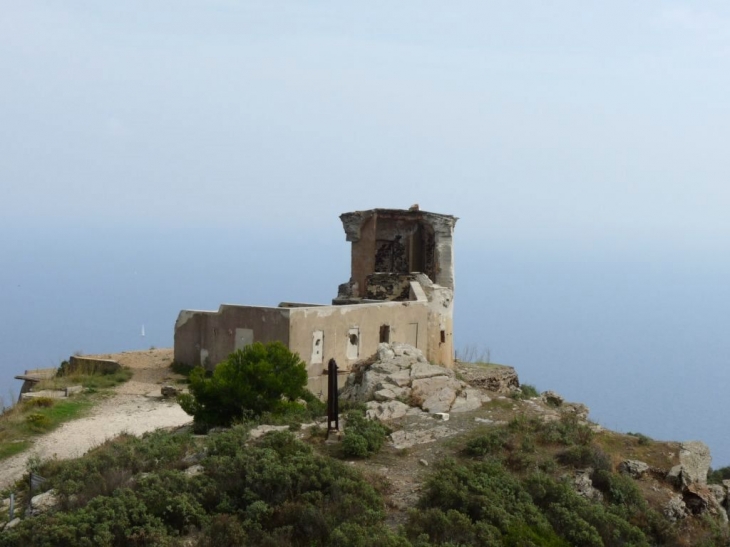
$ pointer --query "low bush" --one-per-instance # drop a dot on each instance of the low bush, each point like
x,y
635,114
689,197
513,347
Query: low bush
x,y
363,437
528,391
643,439
275,491
487,444
716,476
38,402
259,378
38,422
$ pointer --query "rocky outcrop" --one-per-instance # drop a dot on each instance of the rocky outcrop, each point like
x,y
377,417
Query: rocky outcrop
x,y
405,439
690,478
694,463
497,378
675,509
634,468
583,485
399,377
386,411
695,459
551,398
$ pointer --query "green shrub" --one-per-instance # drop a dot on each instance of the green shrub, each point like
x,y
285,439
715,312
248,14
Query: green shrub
x,y
716,476
489,443
529,391
363,437
259,378
569,430
585,456
38,422
38,402
643,439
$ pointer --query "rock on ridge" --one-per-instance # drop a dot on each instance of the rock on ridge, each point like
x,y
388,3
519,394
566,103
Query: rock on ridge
x,y
399,373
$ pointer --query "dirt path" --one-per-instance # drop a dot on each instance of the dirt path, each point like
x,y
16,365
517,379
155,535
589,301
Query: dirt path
x,y
135,407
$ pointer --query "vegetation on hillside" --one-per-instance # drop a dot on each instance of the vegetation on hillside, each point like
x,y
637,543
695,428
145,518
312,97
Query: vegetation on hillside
x,y
500,485
21,422
257,379
507,485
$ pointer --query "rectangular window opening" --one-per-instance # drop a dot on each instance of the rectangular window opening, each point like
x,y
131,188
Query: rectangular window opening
x,y
385,334
443,336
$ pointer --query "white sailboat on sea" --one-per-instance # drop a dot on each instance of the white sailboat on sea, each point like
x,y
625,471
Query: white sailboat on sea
x,y
143,330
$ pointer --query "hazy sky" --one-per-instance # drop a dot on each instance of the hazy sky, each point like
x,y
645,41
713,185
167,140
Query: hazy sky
x,y
533,122
162,155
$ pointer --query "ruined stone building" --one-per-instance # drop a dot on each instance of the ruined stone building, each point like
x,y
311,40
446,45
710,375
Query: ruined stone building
x,y
401,289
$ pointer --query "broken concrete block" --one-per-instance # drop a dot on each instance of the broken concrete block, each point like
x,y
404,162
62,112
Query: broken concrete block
x,y
386,411
469,399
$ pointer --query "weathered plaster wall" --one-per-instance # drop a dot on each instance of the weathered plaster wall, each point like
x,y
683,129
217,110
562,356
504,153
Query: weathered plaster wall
x,y
407,322
209,337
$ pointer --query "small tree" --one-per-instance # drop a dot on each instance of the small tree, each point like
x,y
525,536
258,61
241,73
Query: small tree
x,y
259,378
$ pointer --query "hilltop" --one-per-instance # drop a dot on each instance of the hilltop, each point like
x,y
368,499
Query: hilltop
x,y
483,459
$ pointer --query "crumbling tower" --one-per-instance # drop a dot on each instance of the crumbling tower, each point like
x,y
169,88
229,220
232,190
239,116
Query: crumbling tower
x,y
390,249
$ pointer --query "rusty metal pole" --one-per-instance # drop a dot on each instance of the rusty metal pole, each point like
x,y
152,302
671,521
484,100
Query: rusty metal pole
x,y
333,415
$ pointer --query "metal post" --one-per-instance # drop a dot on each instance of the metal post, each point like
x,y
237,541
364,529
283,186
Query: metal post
x,y
11,512
333,415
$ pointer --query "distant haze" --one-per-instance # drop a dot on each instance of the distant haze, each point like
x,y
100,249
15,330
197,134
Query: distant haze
x,y
184,154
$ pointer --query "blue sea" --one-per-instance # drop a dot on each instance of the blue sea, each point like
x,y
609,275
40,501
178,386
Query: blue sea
x,y
640,337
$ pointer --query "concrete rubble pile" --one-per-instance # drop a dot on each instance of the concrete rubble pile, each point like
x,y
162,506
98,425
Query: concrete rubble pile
x,y
401,382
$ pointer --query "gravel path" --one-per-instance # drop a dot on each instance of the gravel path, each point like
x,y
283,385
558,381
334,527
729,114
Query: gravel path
x,y
135,407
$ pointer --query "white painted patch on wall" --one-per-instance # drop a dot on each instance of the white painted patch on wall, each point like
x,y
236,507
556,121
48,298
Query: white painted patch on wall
x,y
353,343
244,337
317,347
203,356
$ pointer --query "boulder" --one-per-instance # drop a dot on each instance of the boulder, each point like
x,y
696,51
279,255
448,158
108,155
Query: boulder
x,y
497,378
583,486
406,350
12,524
699,499
469,399
694,463
436,394
695,459
405,439
551,398
391,393
362,390
194,470
634,468
425,370
42,503
385,411
402,378
385,367
579,409
675,509
719,492
385,352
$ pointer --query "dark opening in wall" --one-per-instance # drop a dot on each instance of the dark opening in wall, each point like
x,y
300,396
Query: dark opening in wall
x,y
385,334
443,336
